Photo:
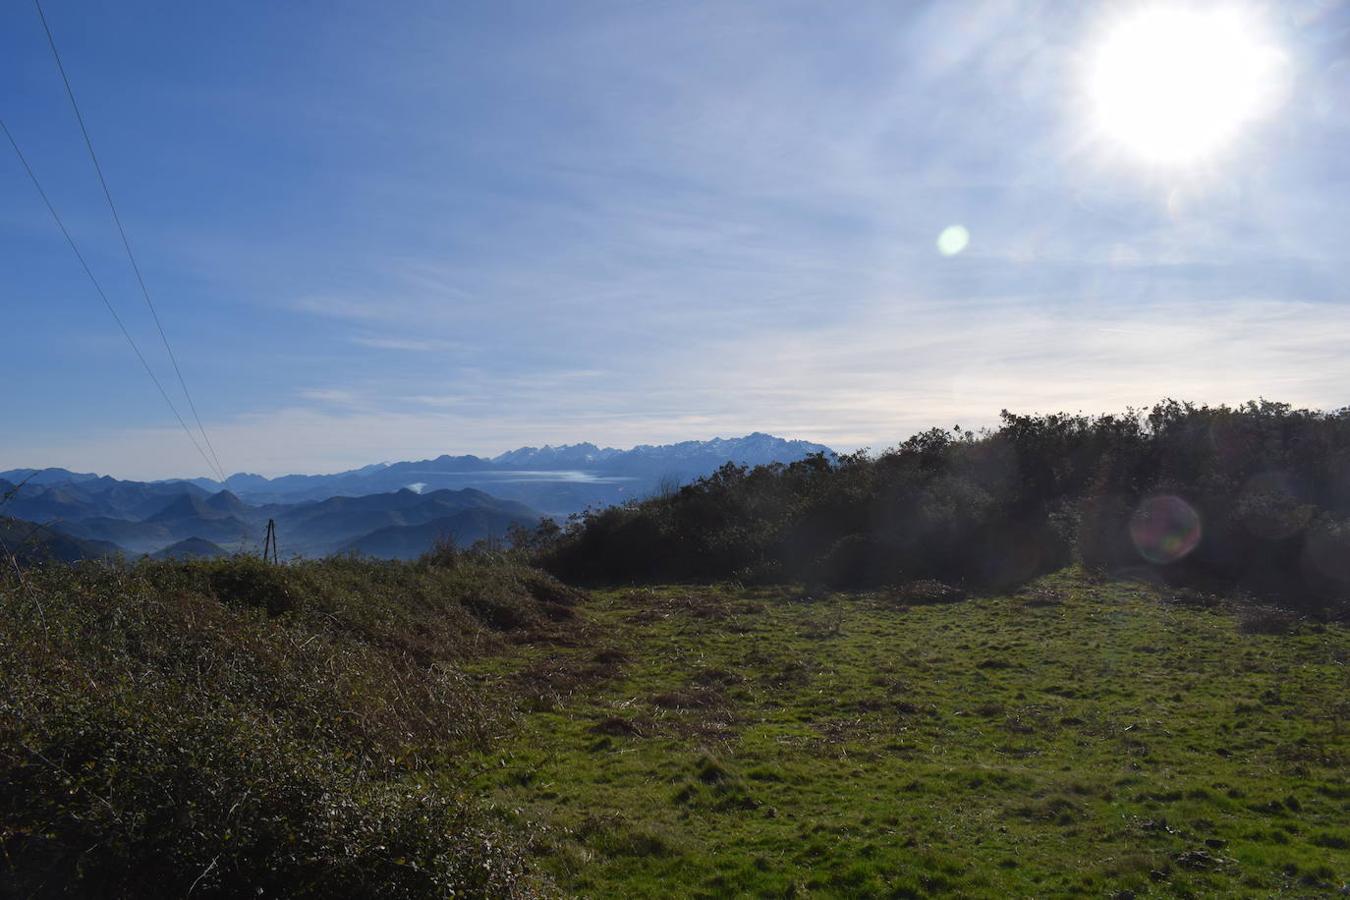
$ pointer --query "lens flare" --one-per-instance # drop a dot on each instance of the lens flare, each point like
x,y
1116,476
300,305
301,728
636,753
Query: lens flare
x,y
953,240
1165,529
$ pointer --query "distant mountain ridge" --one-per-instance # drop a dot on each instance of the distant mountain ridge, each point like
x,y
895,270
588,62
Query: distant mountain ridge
x,y
79,521
411,541
756,448
34,543
191,548
557,480
395,509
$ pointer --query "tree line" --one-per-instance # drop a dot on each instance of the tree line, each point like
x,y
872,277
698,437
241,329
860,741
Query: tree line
x,y
1252,498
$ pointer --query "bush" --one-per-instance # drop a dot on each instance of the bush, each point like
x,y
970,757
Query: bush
x,y
169,728
249,581
859,560
1254,497
443,553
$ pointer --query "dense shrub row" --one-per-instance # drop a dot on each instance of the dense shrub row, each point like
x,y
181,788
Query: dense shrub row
x,y
1255,497
230,728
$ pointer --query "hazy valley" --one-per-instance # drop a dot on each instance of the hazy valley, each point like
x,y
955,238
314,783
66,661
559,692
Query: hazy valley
x,y
388,510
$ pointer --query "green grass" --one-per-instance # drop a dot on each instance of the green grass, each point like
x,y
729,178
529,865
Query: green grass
x,y
350,728
1077,738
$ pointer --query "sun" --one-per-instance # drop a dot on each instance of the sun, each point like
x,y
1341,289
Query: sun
x,y
1175,86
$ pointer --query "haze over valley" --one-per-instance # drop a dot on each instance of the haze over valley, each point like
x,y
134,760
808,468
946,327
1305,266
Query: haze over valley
x,y
389,510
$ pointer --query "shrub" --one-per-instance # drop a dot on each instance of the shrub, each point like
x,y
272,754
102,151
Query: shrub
x,y
858,560
169,728
249,581
443,553
1266,486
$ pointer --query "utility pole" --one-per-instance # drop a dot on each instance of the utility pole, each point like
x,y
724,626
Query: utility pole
x,y
270,543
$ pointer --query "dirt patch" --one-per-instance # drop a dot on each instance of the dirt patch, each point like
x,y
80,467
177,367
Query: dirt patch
x,y
926,591
1267,620
618,726
1041,596
710,677
550,681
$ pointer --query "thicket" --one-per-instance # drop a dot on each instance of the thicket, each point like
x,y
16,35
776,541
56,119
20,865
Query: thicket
x,y
232,728
1254,497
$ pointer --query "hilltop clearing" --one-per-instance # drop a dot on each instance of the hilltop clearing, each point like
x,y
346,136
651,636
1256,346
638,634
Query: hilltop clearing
x,y
467,724
1075,738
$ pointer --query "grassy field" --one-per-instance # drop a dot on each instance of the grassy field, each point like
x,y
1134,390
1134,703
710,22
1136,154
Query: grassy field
x,y
469,726
1075,738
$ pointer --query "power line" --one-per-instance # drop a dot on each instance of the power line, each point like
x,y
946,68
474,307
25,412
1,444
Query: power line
x,y
126,243
99,288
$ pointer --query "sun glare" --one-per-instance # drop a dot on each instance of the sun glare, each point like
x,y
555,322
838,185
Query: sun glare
x,y
1175,86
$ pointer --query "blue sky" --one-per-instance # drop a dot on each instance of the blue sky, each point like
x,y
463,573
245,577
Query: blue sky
x,y
394,230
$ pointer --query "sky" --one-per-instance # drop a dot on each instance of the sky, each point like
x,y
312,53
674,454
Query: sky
x,y
382,231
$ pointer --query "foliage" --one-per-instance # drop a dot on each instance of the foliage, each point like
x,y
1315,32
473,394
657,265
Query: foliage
x,y
234,728
1268,487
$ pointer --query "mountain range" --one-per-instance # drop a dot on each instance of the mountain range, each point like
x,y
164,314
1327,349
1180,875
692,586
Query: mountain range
x,y
190,520
393,510
557,481
31,542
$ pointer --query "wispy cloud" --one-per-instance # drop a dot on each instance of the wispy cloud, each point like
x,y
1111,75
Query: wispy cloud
x,y
869,383
644,223
344,307
410,345
330,396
